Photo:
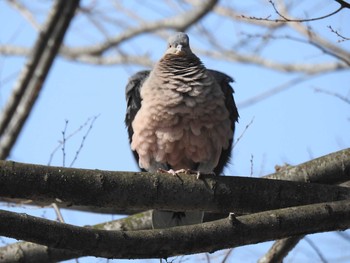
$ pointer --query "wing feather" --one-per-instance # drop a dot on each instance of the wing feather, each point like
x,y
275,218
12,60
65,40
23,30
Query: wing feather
x,y
133,101
224,81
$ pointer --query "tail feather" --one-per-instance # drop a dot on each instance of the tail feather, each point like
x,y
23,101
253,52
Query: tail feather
x,y
166,219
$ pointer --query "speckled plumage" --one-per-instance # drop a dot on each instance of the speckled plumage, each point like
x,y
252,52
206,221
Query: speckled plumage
x,y
181,115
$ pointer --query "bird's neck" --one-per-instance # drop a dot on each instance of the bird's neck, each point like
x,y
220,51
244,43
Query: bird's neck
x,y
179,64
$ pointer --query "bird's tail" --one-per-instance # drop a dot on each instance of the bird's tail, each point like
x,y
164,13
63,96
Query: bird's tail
x,y
166,219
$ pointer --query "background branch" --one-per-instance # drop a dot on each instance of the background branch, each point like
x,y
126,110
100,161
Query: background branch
x,y
33,75
280,249
34,253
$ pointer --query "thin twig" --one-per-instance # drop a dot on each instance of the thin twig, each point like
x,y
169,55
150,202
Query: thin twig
x,y
251,165
286,19
344,235
269,93
25,13
59,146
337,95
179,23
244,131
227,255
64,144
83,140
58,212
343,38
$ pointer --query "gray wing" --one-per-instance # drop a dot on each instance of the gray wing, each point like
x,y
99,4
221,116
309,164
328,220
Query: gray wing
x,y
133,101
224,81
133,98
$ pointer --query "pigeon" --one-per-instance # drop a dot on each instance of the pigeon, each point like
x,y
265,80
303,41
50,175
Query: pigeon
x,y
180,117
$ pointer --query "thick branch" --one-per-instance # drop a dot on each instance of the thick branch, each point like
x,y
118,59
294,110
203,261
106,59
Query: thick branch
x,y
333,168
212,236
34,253
324,170
33,75
143,191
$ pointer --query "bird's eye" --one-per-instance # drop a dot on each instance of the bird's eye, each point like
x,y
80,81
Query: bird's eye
x,y
169,46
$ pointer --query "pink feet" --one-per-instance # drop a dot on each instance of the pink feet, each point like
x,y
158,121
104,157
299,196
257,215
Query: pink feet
x,y
185,171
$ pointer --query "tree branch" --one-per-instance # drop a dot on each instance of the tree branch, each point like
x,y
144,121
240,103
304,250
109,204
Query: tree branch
x,y
310,69
122,190
25,13
331,168
34,73
34,253
286,19
322,172
179,23
212,236
280,249
318,41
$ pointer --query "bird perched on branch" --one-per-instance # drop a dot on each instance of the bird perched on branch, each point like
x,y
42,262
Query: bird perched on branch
x,y
180,117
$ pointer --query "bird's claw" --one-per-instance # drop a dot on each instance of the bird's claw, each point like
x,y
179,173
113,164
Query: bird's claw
x,y
185,171
177,172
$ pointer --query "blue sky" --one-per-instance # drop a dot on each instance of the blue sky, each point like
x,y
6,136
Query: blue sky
x,y
293,126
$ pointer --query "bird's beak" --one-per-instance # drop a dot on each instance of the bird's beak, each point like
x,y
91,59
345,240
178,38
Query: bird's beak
x,y
179,48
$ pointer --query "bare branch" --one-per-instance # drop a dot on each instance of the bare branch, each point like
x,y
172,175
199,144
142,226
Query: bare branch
x,y
305,41
83,140
179,23
185,192
242,134
316,249
342,38
286,19
271,92
34,253
280,250
310,69
33,75
120,190
60,142
58,212
12,50
302,173
328,169
337,95
320,42
25,13
343,3
211,236
335,166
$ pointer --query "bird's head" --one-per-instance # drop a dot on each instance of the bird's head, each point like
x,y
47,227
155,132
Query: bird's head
x,y
179,44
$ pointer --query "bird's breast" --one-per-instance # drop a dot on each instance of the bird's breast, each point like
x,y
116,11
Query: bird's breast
x,y
180,123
